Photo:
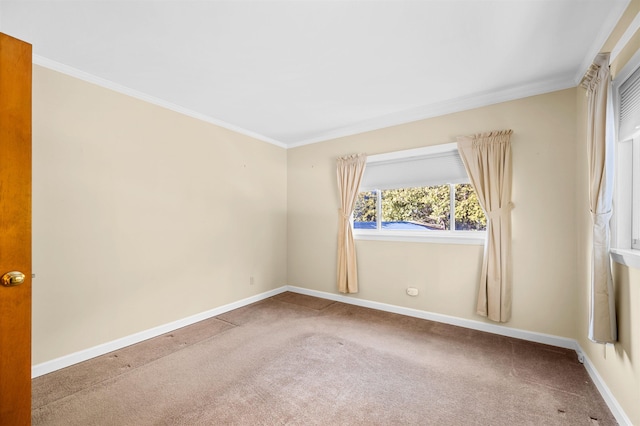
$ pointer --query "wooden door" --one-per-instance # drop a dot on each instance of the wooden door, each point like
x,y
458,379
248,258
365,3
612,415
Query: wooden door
x,y
15,231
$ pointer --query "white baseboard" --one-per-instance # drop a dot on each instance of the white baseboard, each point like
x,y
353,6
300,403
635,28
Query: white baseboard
x,y
547,339
612,402
86,354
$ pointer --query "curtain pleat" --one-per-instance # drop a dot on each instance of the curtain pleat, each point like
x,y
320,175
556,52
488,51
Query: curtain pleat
x,y
350,170
487,158
600,138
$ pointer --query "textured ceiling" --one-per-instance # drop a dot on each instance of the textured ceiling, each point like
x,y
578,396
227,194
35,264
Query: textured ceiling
x,y
296,72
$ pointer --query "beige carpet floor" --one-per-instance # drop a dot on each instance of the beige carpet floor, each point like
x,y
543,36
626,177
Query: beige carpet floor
x,y
299,360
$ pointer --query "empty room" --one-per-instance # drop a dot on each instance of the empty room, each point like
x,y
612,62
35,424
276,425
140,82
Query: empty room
x,y
320,212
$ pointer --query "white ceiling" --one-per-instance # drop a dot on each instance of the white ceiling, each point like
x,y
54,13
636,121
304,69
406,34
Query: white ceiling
x,y
297,72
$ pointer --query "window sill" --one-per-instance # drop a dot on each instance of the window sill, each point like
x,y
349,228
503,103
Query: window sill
x,y
628,257
443,237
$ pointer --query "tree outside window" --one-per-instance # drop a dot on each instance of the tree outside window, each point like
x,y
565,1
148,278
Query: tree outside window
x,y
425,208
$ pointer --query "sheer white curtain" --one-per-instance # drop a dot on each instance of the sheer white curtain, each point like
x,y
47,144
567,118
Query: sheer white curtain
x,y
600,139
350,170
487,158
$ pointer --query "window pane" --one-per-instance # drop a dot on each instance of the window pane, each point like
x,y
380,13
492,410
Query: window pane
x,y
364,214
425,208
469,214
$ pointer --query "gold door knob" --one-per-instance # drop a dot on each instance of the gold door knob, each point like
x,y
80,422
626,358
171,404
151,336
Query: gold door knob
x,y
12,278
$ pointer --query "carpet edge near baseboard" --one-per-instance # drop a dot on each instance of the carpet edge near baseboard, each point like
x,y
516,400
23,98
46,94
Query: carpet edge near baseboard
x,y
548,339
104,348
532,336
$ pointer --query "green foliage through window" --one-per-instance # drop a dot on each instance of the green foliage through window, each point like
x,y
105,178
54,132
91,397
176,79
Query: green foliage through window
x,y
365,210
426,208
469,214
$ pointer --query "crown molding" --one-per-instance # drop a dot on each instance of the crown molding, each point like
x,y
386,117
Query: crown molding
x,y
107,84
407,116
605,32
442,108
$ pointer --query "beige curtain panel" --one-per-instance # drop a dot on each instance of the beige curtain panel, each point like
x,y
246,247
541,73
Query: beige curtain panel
x,y
350,171
600,139
487,158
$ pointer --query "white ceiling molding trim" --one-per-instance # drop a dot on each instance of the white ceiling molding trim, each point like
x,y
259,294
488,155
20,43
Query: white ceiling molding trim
x,y
605,32
383,63
408,116
443,108
631,30
73,72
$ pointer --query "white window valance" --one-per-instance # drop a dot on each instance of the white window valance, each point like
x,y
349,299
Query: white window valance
x,y
429,166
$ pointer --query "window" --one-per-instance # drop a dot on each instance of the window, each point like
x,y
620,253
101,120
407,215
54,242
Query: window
x,y
626,222
635,194
421,194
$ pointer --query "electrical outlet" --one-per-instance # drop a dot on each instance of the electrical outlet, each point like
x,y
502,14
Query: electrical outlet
x,y
251,280
412,291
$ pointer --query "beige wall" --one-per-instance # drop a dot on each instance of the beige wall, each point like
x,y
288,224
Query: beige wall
x,y
544,230
143,216
619,364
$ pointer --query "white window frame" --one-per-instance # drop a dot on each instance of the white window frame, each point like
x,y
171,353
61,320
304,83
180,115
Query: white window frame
x,y
445,237
625,225
635,192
